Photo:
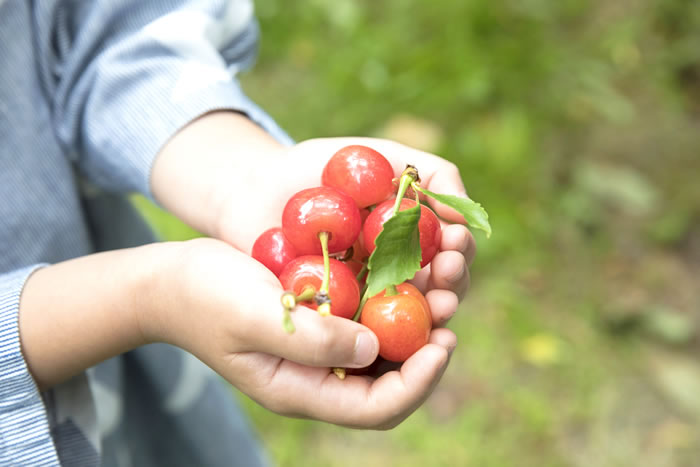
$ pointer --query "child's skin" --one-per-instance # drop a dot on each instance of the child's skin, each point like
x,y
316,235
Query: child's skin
x,y
226,177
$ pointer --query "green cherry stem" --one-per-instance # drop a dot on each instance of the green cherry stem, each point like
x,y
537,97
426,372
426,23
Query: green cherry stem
x,y
287,323
362,272
324,308
363,300
323,237
408,177
289,302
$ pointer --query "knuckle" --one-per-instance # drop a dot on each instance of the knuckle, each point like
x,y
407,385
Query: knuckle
x,y
324,347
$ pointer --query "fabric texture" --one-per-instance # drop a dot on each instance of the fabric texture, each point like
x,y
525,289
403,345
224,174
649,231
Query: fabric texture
x,y
89,93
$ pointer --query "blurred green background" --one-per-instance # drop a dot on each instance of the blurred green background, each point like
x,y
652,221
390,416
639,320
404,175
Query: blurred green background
x,y
575,123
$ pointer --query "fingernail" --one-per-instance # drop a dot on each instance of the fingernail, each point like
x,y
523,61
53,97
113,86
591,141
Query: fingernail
x,y
456,277
365,349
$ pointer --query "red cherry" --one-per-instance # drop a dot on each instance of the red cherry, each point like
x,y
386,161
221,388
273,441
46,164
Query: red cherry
x,y
401,323
410,289
273,250
308,270
428,227
321,209
362,173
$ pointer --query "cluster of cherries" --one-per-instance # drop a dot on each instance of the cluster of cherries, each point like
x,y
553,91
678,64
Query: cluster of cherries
x,y
320,254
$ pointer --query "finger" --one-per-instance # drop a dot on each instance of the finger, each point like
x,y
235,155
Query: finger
x,y
398,394
444,338
449,271
443,305
447,180
458,238
357,401
441,337
323,341
422,280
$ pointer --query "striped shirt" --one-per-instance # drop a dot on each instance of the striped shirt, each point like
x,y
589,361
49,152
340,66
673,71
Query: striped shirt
x,y
89,92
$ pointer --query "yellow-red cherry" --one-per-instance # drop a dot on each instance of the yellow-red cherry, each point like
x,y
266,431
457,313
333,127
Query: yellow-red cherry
x,y
401,322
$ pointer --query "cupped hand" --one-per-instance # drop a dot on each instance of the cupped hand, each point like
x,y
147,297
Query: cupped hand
x,y
444,281
224,307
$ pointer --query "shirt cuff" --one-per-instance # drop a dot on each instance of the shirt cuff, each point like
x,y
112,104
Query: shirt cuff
x,y
25,438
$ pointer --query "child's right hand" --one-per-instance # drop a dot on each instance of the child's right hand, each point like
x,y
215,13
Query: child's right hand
x,y
224,307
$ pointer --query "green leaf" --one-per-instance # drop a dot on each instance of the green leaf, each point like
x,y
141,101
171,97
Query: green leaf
x,y
397,255
473,213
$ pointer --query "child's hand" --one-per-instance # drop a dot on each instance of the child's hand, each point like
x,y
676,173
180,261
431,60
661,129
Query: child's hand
x,y
224,308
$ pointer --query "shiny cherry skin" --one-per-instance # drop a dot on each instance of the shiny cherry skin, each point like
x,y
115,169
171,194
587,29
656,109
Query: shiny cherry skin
x,y
343,289
273,250
428,227
401,323
321,209
409,289
362,173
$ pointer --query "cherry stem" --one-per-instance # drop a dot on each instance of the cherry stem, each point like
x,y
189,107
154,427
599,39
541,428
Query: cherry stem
x,y
390,291
323,236
408,177
307,294
287,322
289,302
363,300
362,272
324,309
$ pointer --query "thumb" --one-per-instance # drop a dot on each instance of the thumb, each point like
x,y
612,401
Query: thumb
x,y
324,341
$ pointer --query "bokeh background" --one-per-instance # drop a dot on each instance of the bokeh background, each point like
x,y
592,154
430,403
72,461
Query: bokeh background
x,y
576,124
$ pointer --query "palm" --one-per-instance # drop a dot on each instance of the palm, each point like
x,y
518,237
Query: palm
x,y
237,331
297,390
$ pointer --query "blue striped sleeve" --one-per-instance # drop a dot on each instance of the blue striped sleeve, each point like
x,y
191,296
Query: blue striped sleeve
x,y
25,438
125,75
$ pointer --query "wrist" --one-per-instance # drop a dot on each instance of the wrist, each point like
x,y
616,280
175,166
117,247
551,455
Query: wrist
x,y
157,291
77,313
210,160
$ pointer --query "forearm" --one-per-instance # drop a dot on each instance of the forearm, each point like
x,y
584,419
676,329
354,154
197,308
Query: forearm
x,y
77,313
219,149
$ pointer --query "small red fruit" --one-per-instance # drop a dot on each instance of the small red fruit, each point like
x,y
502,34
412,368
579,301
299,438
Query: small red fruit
x,y
343,289
401,323
428,226
322,209
362,173
273,250
407,288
